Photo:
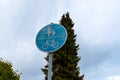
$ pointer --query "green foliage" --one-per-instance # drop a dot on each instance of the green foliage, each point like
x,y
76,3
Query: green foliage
x,y
6,71
65,60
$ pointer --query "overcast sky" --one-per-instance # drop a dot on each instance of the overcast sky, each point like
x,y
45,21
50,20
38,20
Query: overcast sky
x,y
97,25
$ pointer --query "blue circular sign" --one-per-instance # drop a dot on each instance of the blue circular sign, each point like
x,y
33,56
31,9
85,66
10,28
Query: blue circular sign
x,y
51,37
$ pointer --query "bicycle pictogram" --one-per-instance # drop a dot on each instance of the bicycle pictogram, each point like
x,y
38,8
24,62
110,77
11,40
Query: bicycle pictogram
x,y
50,43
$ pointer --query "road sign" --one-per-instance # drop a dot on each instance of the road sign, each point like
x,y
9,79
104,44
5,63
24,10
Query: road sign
x,y
51,37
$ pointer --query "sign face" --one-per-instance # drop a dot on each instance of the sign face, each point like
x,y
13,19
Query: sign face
x,y
51,37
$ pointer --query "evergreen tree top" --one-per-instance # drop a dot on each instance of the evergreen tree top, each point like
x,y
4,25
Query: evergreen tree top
x,y
65,60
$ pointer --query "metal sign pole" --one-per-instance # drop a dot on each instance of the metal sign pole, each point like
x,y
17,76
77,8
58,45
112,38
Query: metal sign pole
x,y
50,67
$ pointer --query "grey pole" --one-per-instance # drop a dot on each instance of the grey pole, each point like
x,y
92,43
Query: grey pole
x,y
50,67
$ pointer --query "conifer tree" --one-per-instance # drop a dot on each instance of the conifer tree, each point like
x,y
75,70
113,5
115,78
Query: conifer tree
x,y
65,60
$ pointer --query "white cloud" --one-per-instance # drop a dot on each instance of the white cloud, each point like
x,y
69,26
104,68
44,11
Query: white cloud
x,y
17,35
113,78
94,20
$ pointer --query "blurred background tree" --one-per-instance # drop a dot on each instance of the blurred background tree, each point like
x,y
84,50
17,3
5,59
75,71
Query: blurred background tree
x,y
7,72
